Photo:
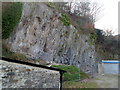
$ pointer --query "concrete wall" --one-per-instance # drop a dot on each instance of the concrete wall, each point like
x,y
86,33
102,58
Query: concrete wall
x,y
109,68
15,75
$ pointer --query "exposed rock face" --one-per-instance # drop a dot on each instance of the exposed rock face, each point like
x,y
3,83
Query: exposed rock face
x,y
40,34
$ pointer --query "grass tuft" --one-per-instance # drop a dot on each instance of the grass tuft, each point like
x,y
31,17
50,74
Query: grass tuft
x,y
50,4
72,74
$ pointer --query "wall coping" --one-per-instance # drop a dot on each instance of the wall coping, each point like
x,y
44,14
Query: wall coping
x,y
31,64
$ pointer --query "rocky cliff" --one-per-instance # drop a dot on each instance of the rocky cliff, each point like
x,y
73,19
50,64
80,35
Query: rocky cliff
x,y
42,34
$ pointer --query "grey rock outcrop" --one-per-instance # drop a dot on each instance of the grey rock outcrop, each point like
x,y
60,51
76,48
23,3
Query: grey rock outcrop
x,y
40,34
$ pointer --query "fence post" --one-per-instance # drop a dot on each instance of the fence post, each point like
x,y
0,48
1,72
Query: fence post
x,y
102,68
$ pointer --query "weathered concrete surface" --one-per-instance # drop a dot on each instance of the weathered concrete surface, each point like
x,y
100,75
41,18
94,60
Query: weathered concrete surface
x,y
15,75
41,34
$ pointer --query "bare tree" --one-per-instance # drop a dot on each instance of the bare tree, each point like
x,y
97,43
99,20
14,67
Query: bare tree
x,y
95,10
84,8
88,11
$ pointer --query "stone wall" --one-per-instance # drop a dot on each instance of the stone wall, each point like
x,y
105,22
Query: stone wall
x,y
14,75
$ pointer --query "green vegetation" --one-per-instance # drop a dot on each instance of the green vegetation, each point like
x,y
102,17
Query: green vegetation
x,y
65,19
107,46
83,75
12,55
86,40
93,36
50,4
91,43
7,53
72,73
10,18
71,78
81,85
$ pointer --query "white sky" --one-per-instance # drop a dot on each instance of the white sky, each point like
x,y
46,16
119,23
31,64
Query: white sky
x,y
109,16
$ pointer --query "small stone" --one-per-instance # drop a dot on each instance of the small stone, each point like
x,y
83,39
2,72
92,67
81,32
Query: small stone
x,y
11,73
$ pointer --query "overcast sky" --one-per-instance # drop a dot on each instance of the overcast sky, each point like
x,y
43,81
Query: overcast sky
x,y
109,16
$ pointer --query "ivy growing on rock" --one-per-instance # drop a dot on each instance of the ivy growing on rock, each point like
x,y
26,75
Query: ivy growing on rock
x,y
65,19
